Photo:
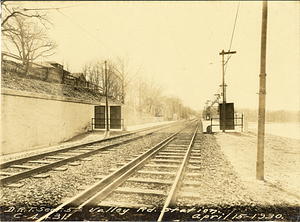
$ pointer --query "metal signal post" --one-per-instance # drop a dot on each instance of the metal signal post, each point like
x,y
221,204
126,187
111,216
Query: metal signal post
x,y
223,120
106,98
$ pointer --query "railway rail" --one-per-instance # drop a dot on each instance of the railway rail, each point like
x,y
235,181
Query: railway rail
x,y
162,169
36,165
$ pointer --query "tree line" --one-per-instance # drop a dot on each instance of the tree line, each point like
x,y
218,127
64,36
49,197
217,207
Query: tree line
x,y
137,91
279,116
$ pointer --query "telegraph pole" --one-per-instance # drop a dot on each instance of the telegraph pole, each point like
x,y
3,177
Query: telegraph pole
x,y
106,90
223,120
262,96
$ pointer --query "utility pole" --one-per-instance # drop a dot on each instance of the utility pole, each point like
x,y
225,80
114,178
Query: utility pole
x,y
140,98
123,91
179,112
262,96
106,90
223,120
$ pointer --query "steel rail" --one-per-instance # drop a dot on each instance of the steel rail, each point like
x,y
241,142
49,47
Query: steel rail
x,y
172,197
41,155
40,169
104,187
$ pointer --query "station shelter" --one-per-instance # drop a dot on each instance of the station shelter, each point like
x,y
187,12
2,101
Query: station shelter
x,y
213,121
114,116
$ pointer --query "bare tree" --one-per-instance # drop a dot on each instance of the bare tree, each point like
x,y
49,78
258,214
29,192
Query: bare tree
x,y
28,40
149,94
95,73
11,10
153,94
126,74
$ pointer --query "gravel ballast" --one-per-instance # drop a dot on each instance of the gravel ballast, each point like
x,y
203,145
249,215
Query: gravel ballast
x,y
219,183
229,190
63,184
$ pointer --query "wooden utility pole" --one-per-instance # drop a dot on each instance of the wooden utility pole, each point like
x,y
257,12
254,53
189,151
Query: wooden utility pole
x,y
223,120
262,96
123,91
106,93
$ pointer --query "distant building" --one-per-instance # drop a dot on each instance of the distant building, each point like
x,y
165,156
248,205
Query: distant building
x,y
53,71
76,79
80,79
49,71
49,64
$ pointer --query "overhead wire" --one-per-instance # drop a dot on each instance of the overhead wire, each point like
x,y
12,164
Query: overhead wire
x,y
172,35
231,40
70,6
229,56
114,53
237,11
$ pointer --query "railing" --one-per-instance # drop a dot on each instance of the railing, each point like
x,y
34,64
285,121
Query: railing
x,y
98,123
236,122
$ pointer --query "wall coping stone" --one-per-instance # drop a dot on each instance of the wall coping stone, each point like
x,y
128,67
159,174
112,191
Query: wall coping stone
x,y
12,92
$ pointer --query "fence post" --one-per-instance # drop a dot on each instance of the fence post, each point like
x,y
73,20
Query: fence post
x,y
242,122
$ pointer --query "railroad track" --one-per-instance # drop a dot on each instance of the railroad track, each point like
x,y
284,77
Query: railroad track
x,y
36,165
150,181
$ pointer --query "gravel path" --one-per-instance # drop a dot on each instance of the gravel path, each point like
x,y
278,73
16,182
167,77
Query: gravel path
x,y
220,184
282,174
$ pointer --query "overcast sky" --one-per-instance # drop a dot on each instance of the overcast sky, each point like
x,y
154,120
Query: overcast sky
x,y
179,44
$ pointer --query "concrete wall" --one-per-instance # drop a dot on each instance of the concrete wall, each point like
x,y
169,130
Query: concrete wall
x,y
132,117
31,120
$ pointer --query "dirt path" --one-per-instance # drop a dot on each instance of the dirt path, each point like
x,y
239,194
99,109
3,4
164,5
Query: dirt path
x,y
282,174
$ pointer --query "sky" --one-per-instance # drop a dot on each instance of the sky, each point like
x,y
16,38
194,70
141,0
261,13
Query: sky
x,y
178,43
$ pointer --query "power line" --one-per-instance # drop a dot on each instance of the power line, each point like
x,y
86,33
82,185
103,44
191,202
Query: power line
x,y
114,53
172,35
229,56
237,11
70,6
224,64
